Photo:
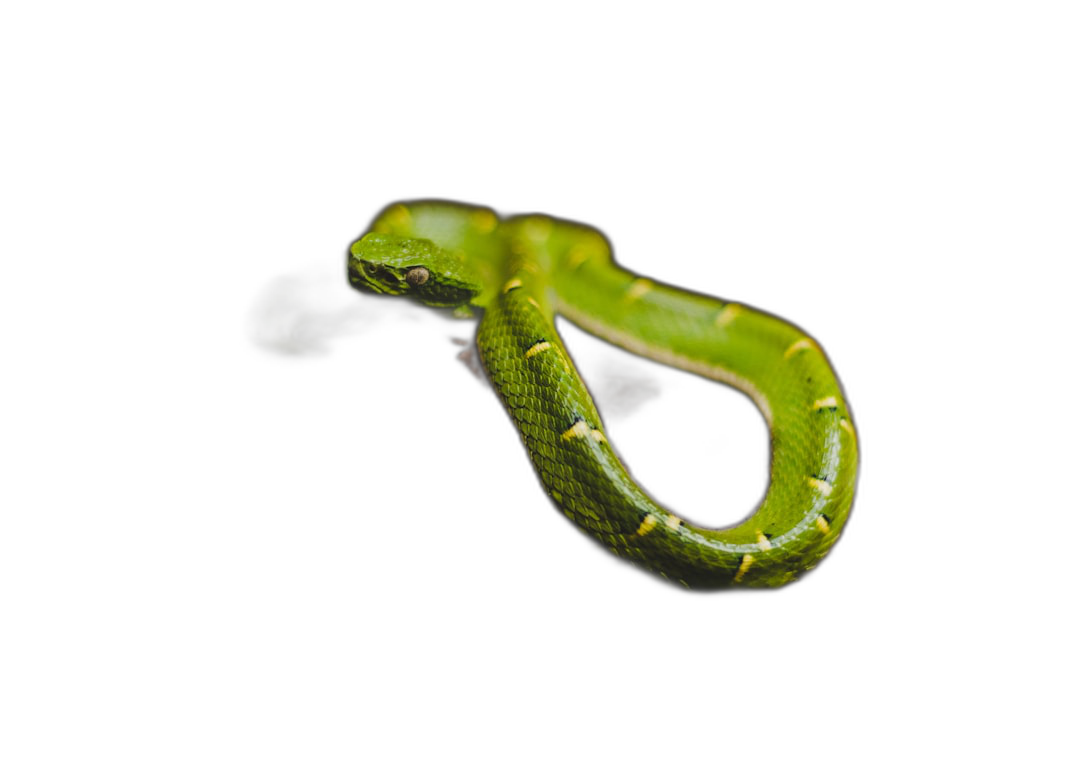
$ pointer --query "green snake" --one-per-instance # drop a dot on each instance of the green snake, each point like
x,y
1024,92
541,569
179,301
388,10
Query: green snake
x,y
520,272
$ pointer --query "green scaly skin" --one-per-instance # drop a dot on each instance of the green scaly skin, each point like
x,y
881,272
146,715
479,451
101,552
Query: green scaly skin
x,y
521,272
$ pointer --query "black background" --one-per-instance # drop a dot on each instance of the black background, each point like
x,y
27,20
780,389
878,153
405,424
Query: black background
x,y
380,490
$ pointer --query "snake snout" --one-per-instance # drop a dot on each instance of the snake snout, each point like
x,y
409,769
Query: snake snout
x,y
368,276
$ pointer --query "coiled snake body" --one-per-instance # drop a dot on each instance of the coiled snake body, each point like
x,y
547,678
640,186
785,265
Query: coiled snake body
x,y
521,272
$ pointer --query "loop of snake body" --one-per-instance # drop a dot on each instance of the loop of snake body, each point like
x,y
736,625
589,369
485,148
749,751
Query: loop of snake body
x,y
520,272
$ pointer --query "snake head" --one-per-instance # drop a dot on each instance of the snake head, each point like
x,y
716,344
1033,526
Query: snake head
x,y
393,265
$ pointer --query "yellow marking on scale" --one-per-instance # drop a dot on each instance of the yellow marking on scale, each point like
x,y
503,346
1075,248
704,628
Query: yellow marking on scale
x,y
847,427
763,541
799,345
638,288
576,256
537,228
729,312
647,525
537,348
819,485
580,429
824,402
673,522
744,566
532,301
483,221
512,284
598,435
822,524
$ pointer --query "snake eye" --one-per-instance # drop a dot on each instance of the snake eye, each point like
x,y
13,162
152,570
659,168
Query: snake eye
x,y
417,276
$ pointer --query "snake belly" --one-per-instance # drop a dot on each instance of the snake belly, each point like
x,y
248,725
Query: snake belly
x,y
533,267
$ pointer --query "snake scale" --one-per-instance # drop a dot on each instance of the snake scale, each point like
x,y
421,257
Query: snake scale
x,y
519,272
